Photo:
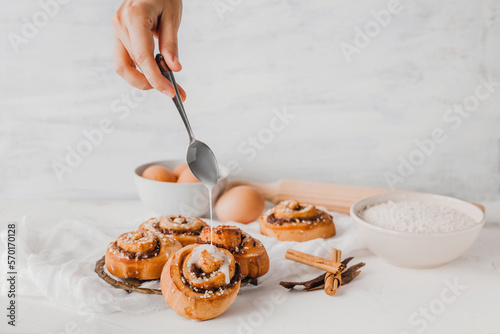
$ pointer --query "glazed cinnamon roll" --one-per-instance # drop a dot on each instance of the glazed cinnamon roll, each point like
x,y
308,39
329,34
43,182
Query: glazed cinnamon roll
x,y
183,228
140,254
200,281
292,221
248,251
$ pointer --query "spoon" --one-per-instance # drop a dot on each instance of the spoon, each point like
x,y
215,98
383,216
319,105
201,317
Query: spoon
x,y
200,158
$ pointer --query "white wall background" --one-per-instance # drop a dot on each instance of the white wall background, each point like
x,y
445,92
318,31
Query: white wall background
x,y
352,120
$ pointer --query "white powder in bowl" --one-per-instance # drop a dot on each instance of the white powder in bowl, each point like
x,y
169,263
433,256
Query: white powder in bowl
x,y
416,217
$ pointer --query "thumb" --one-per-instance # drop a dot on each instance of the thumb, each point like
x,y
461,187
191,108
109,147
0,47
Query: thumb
x,y
167,40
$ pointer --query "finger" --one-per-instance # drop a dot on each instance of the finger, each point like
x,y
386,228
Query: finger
x,y
142,44
125,67
169,50
167,40
182,93
120,28
121,33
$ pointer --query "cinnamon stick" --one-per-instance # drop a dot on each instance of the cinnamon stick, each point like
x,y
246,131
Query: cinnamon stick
x,y
332,280
313,261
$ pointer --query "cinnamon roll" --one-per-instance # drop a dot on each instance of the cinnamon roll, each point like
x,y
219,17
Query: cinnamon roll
x,y
292,221
183,228
200,281
249,252
140,254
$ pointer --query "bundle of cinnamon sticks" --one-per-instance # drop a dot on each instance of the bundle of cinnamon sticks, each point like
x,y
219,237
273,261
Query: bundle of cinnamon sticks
x,y
336,273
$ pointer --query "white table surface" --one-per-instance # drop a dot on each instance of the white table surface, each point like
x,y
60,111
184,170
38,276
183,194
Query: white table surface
x,y
381,300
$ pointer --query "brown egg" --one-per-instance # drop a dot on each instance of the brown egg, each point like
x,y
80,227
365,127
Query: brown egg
x,y
187,177
158,173
241,204
179,169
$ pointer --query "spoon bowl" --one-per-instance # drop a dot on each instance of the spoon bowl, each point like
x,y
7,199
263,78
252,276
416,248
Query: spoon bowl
x,y
202,163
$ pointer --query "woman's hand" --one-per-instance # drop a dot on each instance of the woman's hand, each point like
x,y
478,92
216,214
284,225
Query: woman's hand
x,y
136,23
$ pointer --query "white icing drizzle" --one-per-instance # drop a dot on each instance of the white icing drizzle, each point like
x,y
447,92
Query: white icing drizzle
x,y
210,189
217,254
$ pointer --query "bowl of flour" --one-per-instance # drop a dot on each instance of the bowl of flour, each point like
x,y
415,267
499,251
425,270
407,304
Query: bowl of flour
x,y
417,230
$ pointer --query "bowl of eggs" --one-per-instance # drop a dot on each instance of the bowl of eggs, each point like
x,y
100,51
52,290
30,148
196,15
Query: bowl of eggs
x,y
168,187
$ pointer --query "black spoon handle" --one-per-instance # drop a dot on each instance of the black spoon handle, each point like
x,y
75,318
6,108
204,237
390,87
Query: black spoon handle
x,y
167,73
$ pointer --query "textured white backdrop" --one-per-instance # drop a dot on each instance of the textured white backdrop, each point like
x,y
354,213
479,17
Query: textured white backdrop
x,y
352,120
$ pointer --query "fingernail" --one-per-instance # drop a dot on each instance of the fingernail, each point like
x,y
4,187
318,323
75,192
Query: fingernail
x,y
176,59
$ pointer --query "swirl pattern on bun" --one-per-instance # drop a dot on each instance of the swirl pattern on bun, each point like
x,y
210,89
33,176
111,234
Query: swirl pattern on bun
x,y
200,281
293,221
139,254
182,228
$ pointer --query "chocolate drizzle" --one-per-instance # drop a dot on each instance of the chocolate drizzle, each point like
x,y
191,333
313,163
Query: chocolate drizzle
x,y
271,219
169,231
176,232
198,272
139,256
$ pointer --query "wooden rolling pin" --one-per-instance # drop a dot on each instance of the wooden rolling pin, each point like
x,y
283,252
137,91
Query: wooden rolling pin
x,y
333,197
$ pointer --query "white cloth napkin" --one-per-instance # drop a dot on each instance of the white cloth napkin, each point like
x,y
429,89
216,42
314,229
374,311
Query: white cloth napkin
x,y
57,260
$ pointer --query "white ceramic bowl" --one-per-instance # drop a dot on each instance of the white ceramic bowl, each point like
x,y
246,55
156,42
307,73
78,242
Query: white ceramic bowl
x,y
190,199
417,250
